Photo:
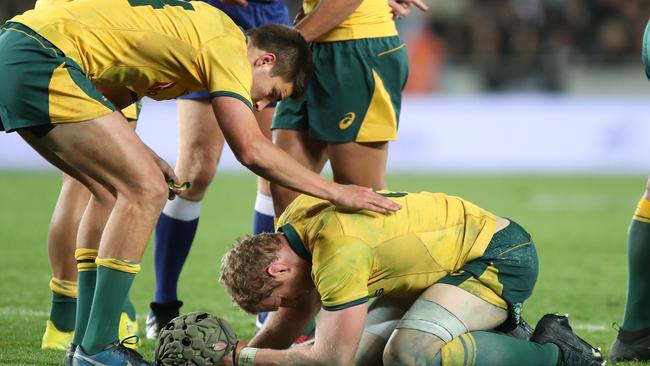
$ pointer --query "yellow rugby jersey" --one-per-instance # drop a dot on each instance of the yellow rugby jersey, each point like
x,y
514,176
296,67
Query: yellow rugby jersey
x,y
156,48
359,255
373,18
45,3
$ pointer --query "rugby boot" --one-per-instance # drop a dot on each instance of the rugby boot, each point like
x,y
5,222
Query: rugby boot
x,y
69,355
115,354
520,331
54,338
160,315
574,351
626,348
128,328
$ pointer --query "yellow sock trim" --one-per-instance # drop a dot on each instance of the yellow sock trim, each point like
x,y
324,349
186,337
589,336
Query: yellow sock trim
x,y
119,265
85,253
86,259
63,287
642,212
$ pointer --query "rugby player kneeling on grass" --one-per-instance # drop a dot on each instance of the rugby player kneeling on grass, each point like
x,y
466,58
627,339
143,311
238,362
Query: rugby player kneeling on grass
x,y
449,280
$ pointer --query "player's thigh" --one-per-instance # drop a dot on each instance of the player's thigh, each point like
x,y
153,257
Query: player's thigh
x,y
383,315
308,152
108,151
264,119
200,145
359,163
442,313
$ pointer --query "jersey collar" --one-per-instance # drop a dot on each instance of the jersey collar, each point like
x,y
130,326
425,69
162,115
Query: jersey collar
x,y
295,242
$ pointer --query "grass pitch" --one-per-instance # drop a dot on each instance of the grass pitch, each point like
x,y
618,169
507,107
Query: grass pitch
x,y
578,223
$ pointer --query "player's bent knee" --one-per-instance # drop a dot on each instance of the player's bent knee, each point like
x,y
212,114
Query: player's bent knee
x,y
151,193
200,183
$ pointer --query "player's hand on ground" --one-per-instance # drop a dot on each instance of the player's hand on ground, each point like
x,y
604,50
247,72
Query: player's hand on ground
x,y
402,8
351,197
235,2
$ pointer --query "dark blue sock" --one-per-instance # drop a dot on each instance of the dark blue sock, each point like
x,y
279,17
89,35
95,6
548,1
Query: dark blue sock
x,y
262,223
263,216
173,240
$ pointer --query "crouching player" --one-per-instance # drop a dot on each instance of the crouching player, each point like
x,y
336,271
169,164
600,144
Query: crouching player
x,y
445,274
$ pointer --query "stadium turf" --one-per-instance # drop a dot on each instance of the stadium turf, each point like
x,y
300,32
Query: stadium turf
x,y
578,223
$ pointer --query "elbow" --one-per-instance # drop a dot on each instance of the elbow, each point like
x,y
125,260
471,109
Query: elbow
x,y
249,156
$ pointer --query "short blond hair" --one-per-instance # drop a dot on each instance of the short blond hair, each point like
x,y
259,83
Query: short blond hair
x,y
243,269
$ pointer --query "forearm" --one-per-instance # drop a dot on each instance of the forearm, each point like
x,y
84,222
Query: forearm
x,y
272,163
290,357
327,15
284,326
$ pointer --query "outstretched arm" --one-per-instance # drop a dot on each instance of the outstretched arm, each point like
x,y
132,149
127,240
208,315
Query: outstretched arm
x,y
258,154
337,338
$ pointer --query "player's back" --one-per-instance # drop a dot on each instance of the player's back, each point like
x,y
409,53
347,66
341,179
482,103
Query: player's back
x,y
153,47
447,228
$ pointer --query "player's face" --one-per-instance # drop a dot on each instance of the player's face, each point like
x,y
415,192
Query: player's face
x,y
267,89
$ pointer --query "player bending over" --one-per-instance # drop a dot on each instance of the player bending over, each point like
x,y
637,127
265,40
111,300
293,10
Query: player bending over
x,y
445,274
54,61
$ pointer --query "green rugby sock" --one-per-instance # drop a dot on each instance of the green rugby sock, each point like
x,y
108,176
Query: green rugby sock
x,y
129,309
63,312
637,306
64,304
483,348
86,278
114,279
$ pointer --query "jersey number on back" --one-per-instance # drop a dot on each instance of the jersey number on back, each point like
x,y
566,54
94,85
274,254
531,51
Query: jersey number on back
x,y
159,4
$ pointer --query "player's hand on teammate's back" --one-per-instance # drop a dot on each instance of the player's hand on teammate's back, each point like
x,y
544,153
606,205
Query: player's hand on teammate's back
x,y
352,197
402,8
235,2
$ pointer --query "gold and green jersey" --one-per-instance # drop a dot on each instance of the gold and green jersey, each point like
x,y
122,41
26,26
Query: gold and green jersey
x,y
355,256
156,48
373,18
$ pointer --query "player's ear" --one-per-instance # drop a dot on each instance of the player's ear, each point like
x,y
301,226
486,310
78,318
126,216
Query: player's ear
x,y
265,58
276,269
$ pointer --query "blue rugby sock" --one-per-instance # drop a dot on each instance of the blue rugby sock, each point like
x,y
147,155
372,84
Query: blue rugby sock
x,y
263,223
264,214
174,236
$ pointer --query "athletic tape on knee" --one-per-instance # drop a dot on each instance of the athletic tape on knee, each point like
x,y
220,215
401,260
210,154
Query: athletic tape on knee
x,y
429,317
63,287
86,259
382,320
118,265
383,329
264,204
182,209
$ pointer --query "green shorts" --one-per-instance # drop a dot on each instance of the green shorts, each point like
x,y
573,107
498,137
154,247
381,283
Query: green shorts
x,y
355,93
40,85
506,272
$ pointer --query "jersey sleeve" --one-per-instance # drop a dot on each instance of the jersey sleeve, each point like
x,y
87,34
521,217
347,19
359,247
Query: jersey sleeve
x,y
224,68
340,269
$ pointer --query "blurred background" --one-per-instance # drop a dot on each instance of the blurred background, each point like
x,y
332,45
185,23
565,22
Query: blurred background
x,y
495,85
535,109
